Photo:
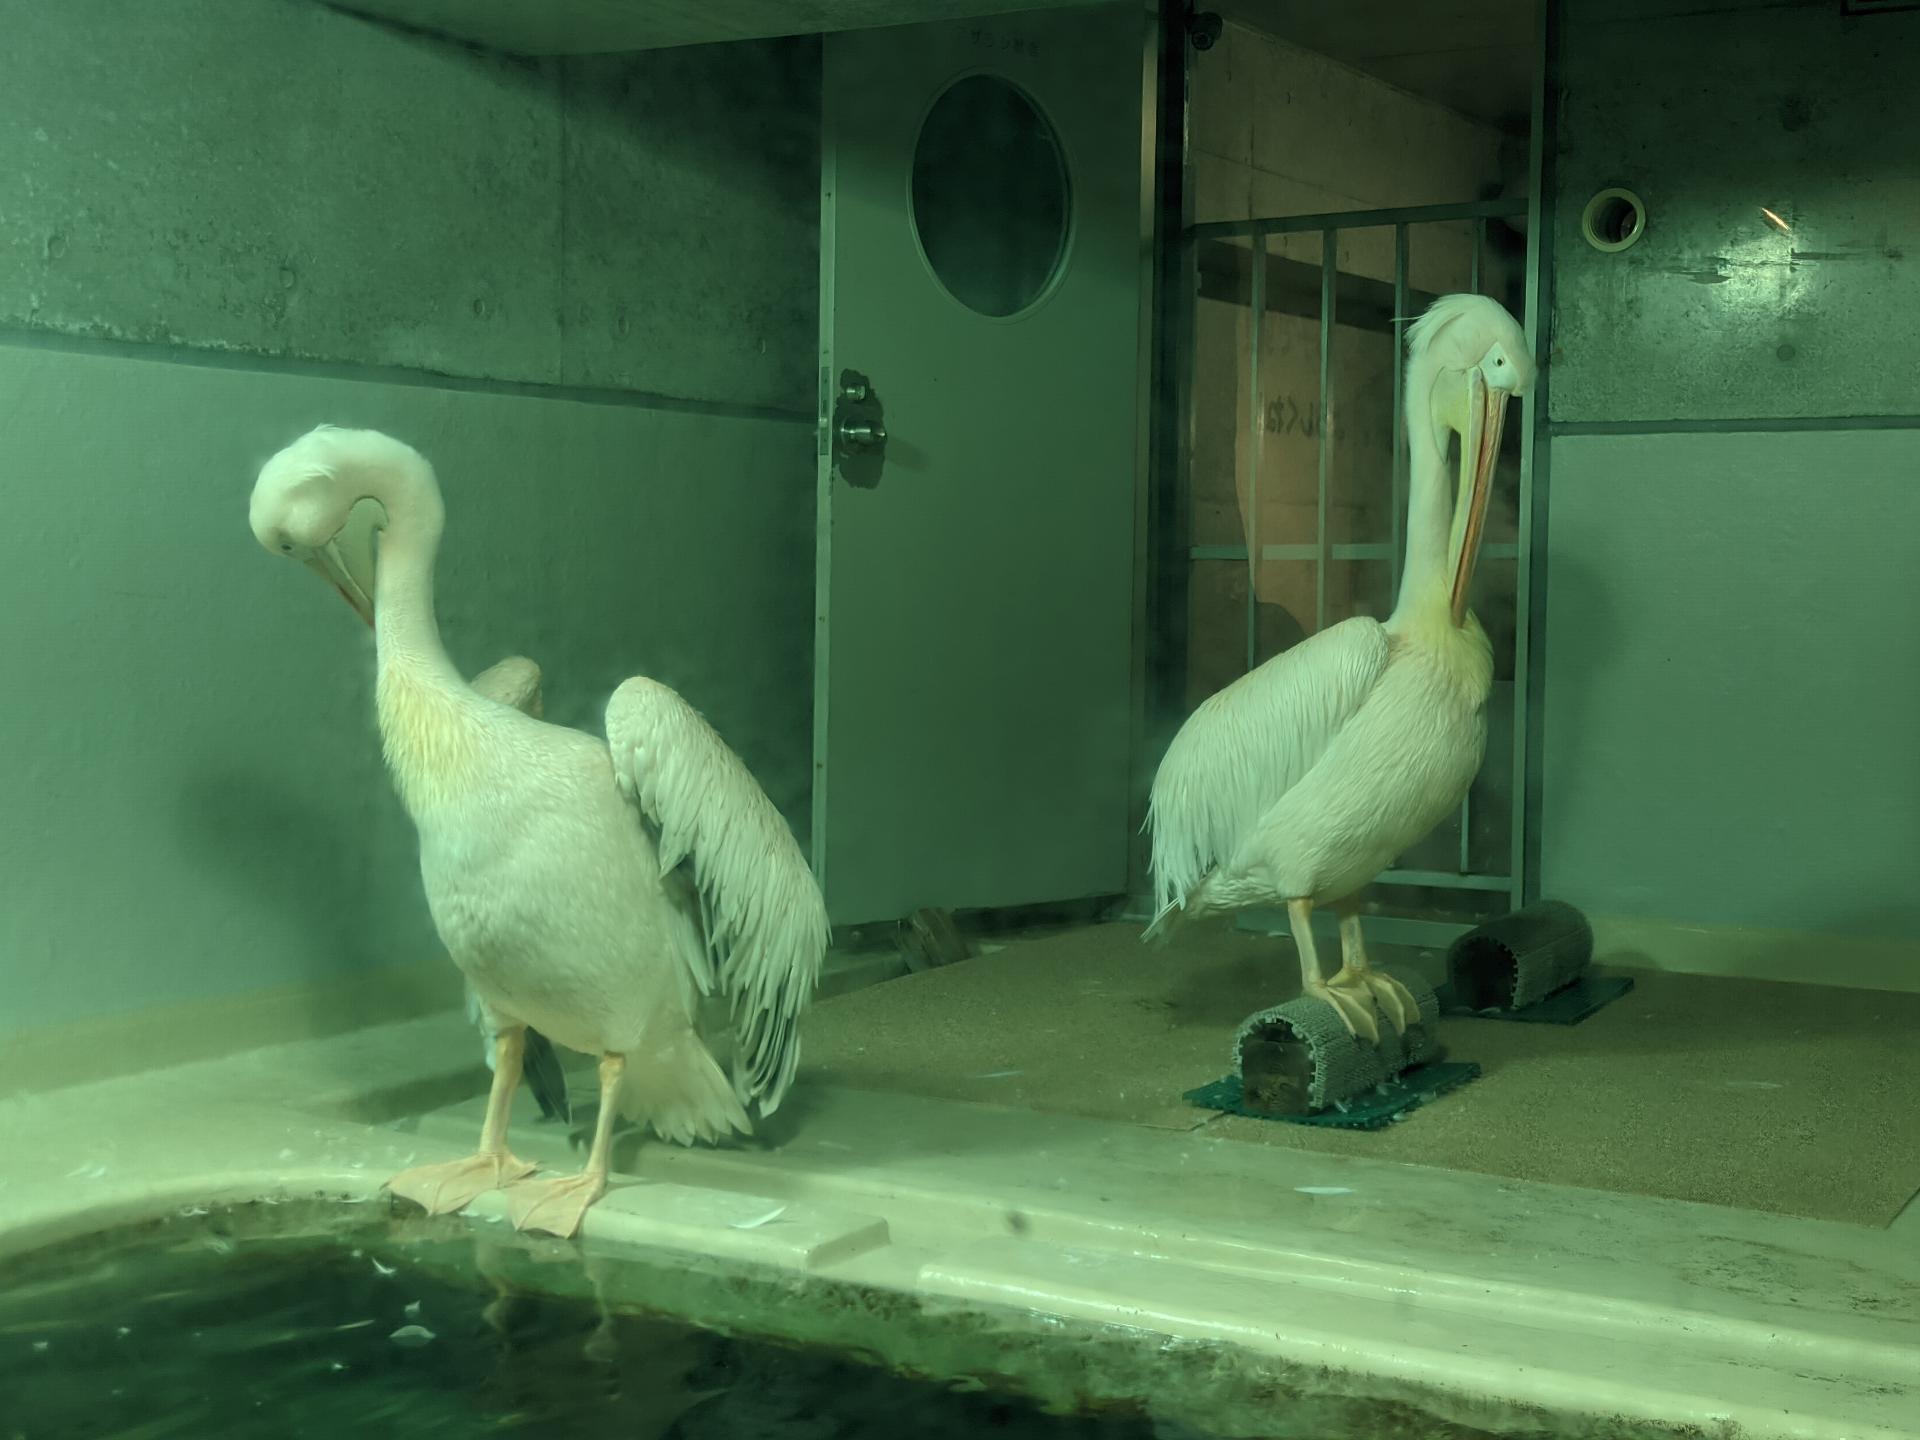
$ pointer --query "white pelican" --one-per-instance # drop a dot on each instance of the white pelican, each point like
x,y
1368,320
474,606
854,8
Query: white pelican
x,y
592,890
1308,776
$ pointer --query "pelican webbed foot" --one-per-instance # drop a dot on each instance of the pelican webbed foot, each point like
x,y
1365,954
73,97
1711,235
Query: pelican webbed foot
x,y
558,1206
1368,987
554,1207
1355,1009
444,1189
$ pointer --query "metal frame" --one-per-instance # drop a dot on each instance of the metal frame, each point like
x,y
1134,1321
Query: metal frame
x,y
1516,881
1359,219
1166,535
1530,599
1256,441
823,498
1344,550
1165,212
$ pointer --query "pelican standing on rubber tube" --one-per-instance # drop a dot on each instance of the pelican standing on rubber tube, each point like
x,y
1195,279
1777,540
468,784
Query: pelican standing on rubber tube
x,y
1300,782
593,890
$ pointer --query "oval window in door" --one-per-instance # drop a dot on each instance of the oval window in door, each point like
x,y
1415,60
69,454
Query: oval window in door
x,y
991,203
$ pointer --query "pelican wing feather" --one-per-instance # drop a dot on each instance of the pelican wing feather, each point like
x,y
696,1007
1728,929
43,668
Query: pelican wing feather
x,y
513,681
1249,744
764,922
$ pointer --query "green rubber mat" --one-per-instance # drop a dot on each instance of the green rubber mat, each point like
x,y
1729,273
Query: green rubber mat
x,y
1373,1111
1586,996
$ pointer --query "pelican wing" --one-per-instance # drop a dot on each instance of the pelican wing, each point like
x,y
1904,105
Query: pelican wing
x,y
764,922
1250,744
513,681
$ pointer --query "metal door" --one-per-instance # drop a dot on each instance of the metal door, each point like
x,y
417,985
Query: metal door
x,y
982,343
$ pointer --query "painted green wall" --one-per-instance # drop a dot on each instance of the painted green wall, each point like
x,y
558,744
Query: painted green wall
x,y
1731,680
223,221
1729,671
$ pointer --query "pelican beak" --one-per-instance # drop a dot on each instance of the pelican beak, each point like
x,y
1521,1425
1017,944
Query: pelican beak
x,y
1479,453
346,562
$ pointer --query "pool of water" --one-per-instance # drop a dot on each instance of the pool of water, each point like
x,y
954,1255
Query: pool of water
x,y
305,1320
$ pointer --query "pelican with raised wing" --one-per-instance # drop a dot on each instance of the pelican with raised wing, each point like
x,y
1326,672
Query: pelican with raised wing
x,y
593,890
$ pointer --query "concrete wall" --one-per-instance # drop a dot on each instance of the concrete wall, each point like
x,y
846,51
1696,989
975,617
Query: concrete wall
x,y
1278,130
275,178
1717,313
222,221
1729,653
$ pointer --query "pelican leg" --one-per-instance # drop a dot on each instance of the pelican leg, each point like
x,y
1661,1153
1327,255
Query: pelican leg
x,y
1355,1011
443,1189
1356,975
558,1206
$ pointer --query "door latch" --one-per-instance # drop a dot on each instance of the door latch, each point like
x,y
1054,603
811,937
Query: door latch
x,y
859,431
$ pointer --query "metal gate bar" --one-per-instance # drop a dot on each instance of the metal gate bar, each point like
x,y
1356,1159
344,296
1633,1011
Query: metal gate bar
x,y
1256,440
1400,457
1358,219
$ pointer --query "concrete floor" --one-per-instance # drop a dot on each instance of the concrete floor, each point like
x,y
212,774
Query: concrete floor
x,y
1495,1303
1795,1099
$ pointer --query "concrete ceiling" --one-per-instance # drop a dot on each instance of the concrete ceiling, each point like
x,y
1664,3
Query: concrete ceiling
x,y
581,27
1473,56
